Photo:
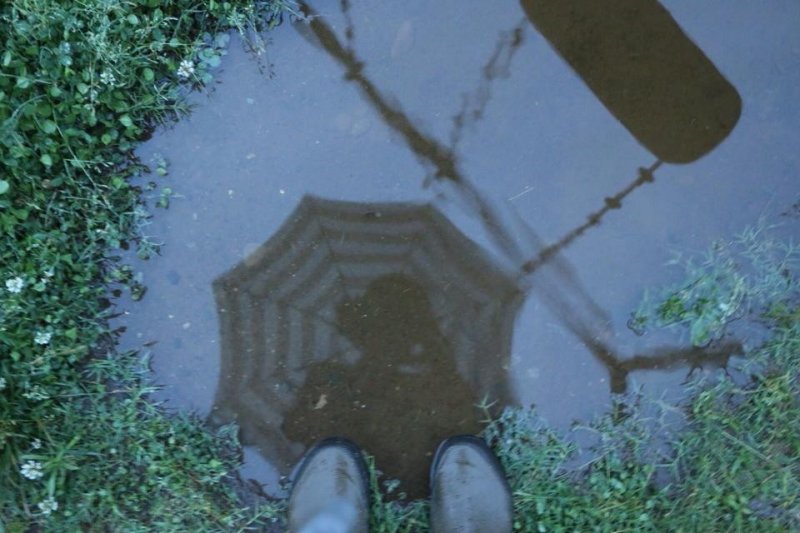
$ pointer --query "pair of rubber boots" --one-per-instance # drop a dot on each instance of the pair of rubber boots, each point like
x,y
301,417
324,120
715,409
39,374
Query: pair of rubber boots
x,y
469,492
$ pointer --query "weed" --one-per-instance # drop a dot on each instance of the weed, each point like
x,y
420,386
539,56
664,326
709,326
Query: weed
x,y
81,84
734,279
728,463
393,516
82,447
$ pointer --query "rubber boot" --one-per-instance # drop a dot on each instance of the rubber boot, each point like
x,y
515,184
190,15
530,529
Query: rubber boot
x,y
469,491
330,490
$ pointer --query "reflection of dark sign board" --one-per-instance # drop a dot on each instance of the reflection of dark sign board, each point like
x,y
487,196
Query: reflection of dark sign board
x,y
645,70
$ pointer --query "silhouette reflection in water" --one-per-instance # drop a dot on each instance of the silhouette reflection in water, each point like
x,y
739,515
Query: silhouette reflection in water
x,y
402,397
387,305
651,77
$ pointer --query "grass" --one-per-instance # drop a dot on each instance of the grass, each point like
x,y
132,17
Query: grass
x,y
81,84
82,447
730,281
724,460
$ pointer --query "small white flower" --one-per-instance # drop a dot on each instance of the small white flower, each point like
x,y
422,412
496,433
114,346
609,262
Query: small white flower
x,y
42,337
107,78
186,68
48,506
15,285
36,444
2,383
31,470
37,393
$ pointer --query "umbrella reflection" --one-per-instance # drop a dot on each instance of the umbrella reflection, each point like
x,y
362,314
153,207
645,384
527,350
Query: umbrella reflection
x,y
403,396
657,114
381,322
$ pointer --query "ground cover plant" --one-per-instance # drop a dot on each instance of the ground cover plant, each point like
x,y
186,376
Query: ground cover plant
x,y
724,460
81,447
81,83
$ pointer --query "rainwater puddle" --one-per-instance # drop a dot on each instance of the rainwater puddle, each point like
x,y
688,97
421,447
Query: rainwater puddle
x,y
403,210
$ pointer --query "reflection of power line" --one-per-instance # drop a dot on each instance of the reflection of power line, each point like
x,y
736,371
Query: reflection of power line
x,y
611,202
579,312
425,146
443,159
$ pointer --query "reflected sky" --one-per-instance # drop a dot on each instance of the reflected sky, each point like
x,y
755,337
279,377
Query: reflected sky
x,y
480,91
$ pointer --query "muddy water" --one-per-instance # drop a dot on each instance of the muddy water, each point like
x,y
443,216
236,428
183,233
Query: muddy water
x,y
489,120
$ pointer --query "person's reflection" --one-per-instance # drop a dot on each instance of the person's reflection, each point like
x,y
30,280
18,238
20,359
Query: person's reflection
x,y
403,395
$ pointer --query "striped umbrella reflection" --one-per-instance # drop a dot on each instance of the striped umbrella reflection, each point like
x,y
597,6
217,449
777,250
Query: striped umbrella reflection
x,y
433,298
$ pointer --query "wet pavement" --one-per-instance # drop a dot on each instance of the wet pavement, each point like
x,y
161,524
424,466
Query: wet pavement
x,y
558,189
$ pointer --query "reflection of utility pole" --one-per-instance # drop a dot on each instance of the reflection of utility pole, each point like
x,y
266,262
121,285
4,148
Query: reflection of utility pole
x,y
583,317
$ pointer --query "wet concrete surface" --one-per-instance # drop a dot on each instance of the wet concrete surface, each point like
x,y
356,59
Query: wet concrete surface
x,y
468,108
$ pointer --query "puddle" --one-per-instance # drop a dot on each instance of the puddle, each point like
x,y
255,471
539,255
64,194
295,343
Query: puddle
x,y
403,210
379,322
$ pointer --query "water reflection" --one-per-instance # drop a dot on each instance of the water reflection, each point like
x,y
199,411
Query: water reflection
x,y
489,109
651,77
498,67
380,322
646,71
443,160
403,396
614,201
440,159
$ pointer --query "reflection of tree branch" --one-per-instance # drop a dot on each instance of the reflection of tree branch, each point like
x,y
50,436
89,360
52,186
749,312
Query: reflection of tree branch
x,y
658,359
562,292
473,105
577,311
349,31
694,357
425,146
